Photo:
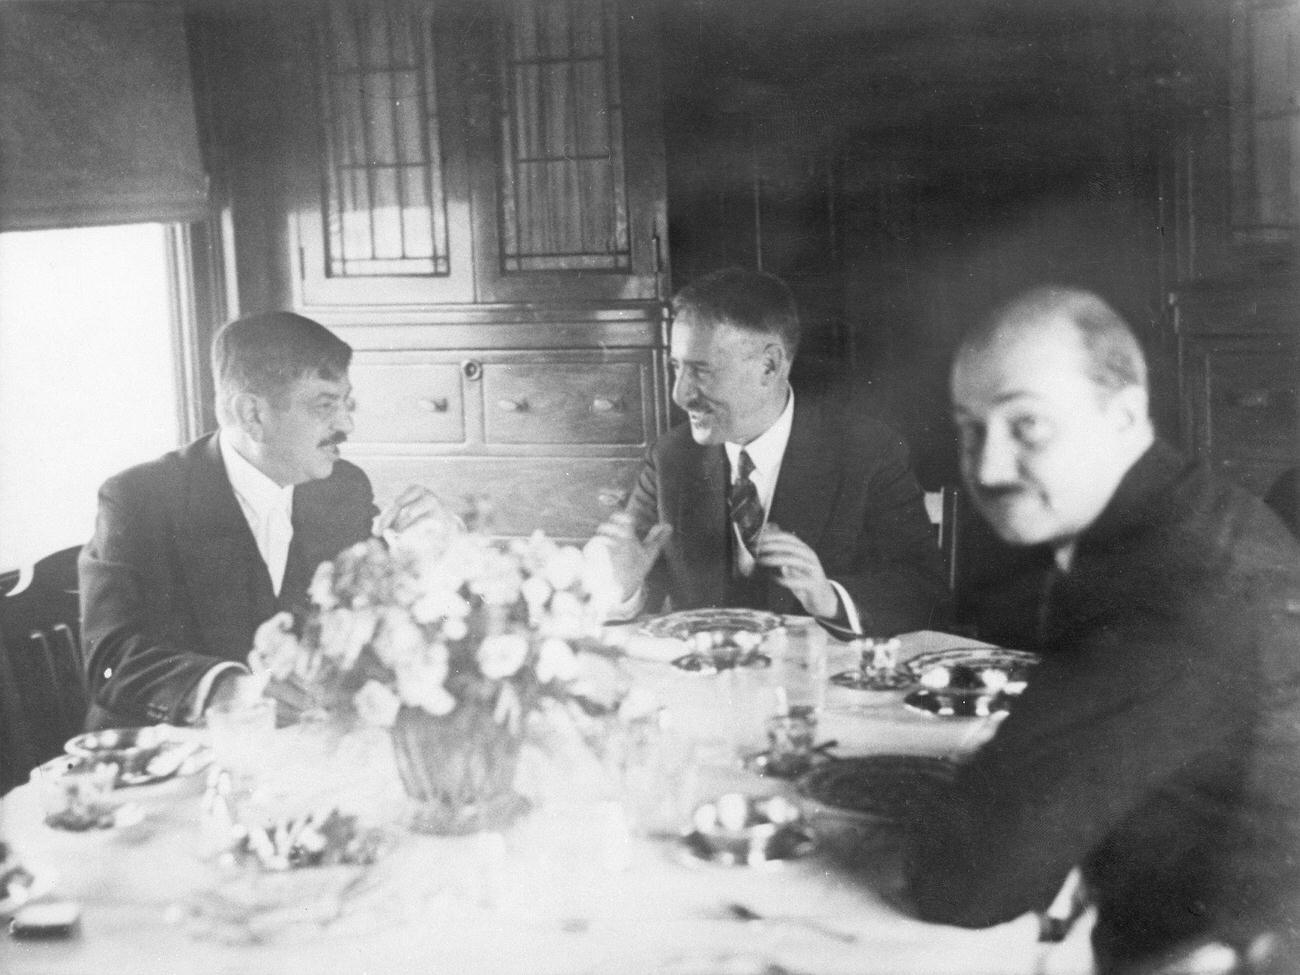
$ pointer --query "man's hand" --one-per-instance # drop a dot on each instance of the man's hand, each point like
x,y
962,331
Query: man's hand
x,y
630,557
796,566
414,504
235,689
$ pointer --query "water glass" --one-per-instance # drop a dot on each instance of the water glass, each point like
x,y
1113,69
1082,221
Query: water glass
x,y
76,792
241,732
790,741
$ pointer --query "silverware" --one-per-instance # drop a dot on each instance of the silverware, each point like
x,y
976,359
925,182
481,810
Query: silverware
x,y
742,912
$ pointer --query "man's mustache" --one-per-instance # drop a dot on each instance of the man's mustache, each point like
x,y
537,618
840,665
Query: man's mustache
x,y
334,439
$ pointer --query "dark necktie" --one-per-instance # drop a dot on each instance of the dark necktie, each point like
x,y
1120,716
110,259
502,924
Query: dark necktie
x,y
743,504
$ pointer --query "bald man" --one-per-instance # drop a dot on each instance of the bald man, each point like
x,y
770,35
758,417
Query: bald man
x,y
1157,746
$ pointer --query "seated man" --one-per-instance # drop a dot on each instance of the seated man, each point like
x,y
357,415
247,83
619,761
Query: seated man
x,y
192,551
766,499
1156,744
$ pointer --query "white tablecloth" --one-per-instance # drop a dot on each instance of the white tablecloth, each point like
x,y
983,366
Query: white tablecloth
x,y
568,889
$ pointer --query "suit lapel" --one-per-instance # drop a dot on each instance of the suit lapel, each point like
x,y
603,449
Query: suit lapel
x,y
809,480
230,586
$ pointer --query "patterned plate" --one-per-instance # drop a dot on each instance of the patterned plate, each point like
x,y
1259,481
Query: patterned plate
x,y
1014,663
688,622
889,787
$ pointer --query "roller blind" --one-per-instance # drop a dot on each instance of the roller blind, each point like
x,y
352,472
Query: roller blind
x,y
97,122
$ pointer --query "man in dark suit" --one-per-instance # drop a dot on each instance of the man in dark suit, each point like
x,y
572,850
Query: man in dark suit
x,y
769,500
194,550
1156,744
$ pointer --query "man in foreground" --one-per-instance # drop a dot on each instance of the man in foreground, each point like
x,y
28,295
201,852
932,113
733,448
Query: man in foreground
x,y
192,551
1156,744
766,499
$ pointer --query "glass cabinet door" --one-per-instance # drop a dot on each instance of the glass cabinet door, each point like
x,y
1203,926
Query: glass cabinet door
x,y
392,223
573,131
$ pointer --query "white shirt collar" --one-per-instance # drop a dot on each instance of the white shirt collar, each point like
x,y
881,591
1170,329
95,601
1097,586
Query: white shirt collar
x,y
766,451
257,493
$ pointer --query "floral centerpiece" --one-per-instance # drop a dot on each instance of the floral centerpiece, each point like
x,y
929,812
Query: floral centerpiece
x,y
450,640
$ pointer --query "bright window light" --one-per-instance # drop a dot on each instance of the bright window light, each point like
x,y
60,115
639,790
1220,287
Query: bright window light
x,y
87,376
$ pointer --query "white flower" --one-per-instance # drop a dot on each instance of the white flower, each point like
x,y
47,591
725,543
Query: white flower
x,y
536,591
398,639
567,619
344,633
556,661
598,578
321,590
275,648
455,629
438,604
502,654
638,705
500,581
420,681
376,704
564,567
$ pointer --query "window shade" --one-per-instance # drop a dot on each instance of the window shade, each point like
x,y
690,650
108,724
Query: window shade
x,y
97,122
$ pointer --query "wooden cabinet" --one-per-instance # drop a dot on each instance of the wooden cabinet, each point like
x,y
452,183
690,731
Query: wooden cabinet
x,y
1239,367
472,194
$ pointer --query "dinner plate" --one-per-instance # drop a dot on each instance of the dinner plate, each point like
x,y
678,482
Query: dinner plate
x,y
960,703
144,755
1014,663
887,787
686,623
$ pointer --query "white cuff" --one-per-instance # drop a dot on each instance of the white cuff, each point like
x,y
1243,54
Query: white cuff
x,y
204,689
629,608
850,610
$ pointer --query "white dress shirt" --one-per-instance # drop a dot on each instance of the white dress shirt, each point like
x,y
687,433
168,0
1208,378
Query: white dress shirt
x,y
268,509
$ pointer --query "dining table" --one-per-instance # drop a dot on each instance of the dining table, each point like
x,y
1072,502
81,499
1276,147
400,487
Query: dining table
x,y
593,879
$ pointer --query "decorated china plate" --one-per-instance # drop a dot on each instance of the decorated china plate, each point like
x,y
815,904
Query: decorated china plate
x,y
1014,663
688,622
144,755
887,787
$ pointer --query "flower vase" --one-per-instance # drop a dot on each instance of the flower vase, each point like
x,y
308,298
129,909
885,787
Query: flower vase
x,y
458,769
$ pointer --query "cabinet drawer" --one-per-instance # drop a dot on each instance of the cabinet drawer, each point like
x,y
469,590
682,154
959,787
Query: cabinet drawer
x,y
564,402
1252,403
414,402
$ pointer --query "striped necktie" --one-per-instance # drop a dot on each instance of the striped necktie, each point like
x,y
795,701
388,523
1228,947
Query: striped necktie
x,y
743,504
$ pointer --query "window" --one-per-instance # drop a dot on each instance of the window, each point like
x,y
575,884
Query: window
x,y
88,377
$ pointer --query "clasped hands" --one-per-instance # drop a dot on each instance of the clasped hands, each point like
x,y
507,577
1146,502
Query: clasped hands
x,y
791,561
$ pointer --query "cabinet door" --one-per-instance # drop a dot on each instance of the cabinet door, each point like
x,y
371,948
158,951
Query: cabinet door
x,y
569,196
385,214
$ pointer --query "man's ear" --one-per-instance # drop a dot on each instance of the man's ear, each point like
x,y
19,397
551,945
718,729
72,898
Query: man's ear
x,y
1129,409
249,410
774,360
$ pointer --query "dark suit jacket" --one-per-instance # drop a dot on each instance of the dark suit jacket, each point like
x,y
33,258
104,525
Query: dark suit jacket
x,y
845,488
1158,742
172,581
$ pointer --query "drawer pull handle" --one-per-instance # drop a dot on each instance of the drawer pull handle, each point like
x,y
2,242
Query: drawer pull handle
x,y
513,405
602,405
472,369
430,405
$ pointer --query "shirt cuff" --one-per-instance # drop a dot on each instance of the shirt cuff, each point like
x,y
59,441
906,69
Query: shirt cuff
x,y
629,608
848,615
203,690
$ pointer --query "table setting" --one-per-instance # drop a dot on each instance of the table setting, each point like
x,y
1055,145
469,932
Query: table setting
x,y
494,780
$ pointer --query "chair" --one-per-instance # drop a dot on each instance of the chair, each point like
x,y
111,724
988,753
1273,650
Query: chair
x,y
42,674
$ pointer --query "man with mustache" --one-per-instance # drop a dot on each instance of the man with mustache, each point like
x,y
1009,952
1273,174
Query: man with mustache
x,y
192,551
767,499
1156,744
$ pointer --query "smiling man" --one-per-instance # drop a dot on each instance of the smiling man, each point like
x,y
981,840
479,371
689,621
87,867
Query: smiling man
x,y
765,499
192,551
1155,746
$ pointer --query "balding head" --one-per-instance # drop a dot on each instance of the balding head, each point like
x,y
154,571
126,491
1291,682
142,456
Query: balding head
x,y
1050,400
1112,357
